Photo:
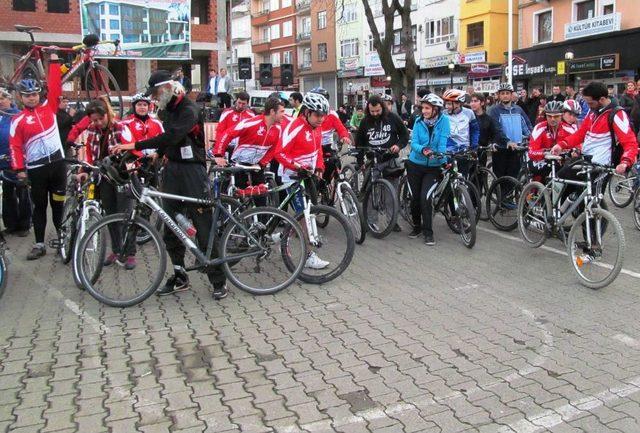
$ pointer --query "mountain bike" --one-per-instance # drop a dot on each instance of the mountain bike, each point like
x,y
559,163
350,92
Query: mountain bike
x,y
481,178
261,250
504,193
95,79
595,232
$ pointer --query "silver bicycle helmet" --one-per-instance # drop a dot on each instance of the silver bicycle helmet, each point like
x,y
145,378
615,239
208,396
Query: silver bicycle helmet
x,y
505,87
316,102
433,99
554,107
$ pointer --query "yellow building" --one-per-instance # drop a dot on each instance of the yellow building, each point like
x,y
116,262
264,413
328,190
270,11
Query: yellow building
x,y
483,38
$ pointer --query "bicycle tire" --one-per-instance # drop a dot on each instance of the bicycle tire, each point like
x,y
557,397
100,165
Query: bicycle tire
x,y
482,178
636,208
495,205
7,69
148,214
3,274
620,200
67,232
351,175
352,204
465,203
405,196
531,195
92,219
325,200
156,281
273,198
375,186
99,88
613,225
476,200
294,270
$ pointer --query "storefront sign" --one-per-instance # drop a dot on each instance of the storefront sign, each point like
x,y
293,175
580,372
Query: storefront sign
x,y
609,62
480,68
477,57
355,85
525,69
350,63
439,61
380,82
351,73
446,80
561,67
487,86
593,26
372,65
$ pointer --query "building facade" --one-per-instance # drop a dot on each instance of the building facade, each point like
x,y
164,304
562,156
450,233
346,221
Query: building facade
x,y
351,30
60,21
577,41
239,40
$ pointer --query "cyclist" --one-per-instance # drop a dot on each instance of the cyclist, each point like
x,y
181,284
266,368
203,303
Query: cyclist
x,y
490,130
430,134
257,140
182,144
230,117
382,129
141,125
464,128
300,149
545,135
388,101
37,153
515,126
16,204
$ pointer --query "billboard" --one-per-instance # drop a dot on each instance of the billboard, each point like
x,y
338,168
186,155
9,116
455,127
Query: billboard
x,y
147,29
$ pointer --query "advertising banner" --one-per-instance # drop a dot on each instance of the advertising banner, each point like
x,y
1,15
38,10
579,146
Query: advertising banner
x,y
372,65
147,29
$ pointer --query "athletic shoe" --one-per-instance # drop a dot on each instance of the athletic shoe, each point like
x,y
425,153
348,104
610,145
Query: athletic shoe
x,y
130,264
415,233
315,262
220,292
428,240
397,228
179,282
110,260
36,252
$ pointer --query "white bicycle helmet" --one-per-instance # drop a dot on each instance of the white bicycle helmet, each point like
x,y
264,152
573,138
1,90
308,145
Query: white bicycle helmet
x,y
386,97
316,102
455,95
140,97
505,87
433,99
572,106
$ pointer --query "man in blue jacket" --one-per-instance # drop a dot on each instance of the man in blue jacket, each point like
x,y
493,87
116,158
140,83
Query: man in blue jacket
x,y
16,205
516,128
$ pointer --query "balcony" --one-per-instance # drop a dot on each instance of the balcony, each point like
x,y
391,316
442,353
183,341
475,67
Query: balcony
x,y
304,67
240,37
260,13
240,10
261,45
304,37
303,5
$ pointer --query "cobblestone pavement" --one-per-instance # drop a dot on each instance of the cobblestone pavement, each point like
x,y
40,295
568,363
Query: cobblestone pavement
x,y
500,338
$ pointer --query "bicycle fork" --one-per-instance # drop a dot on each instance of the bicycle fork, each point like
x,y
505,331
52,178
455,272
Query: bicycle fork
x,y
311,224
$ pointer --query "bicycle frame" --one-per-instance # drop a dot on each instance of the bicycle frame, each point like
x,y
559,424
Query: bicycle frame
x,y
309,218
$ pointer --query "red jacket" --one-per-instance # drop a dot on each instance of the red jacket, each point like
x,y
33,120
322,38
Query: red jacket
x,y
594,137
301,144
98,145
256,141
78,129
143,129
330,125
34,134
230,118
543,138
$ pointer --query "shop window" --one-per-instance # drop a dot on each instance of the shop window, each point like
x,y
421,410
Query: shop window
x,y
58,6
475,34
24,5
543,26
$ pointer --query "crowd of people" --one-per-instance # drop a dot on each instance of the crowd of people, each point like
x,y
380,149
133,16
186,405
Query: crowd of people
x,y
35,139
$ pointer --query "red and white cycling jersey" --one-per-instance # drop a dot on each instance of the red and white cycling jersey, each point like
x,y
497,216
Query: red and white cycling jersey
x,y
543,138
34,134
230,118
299,144
256,141
143,129
330,125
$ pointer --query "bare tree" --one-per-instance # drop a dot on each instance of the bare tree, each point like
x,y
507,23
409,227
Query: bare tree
x,y
401,79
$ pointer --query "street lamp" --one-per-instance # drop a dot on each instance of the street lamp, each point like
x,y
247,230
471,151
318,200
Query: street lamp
x,y
350,84
568,56
451,67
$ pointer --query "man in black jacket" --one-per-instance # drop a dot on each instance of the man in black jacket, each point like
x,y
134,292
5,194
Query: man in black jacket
x,y
182,144
65,121
532,104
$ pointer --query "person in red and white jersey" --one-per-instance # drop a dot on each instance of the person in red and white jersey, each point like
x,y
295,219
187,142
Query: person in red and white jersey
x,y
257,140
300,149
230,117
37,153
140,123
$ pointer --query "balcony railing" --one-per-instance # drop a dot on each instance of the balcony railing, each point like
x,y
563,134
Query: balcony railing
x,y
306,36
303,5
304,66
260,13
260,41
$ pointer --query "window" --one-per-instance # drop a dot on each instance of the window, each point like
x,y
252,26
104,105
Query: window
x,y
306,57
322,20
287,29
608,6
274,5
399,47
103,24
264,32
200,10
349,47
24,5
286,3
275,59
439,31
543,27
287,57
275,31
114,24
58,6
114,10
376,7
584,10
322,52
475,34
120,72
265,5
370,46
349,13
306,25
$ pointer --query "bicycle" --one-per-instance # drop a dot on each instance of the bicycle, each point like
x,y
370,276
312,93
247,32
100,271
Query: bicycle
x,y
636,208
504,193
542,213
378,196
622,187
96,80
3,243
252,238
481,178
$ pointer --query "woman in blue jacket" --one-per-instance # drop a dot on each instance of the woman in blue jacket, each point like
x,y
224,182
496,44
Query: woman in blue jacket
x,y
430,134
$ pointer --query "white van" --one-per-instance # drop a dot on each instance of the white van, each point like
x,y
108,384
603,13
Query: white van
x,y
258,97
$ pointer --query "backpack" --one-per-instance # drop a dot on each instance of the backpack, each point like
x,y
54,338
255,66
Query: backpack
x,y
616,149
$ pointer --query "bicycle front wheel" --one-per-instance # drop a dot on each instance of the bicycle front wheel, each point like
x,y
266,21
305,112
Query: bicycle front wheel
x,y
598,260
100,82
636,208
350,207
534,209
119,284
263,252
98,246
68,230
482,179
502,203
3,274
621,189
380,206
404,200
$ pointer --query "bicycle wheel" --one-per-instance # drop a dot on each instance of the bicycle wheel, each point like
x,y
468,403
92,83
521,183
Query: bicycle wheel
x,y
621,189
3,273
482,179
534,209
68,229
502,203
350,208
597,266
8,63
98,247
465,212
475,198
331,247
352,176
325,199
98,82
115,285
636,208
148,214
280,250
380,206
404,200
273,198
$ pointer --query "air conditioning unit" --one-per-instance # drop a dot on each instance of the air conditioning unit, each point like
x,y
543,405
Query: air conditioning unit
x,y
452,45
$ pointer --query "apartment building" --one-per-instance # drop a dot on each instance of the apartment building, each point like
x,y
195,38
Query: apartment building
x,y
577,41
239,39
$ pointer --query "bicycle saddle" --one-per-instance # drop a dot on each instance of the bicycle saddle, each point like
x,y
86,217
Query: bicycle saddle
x,y
26,29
